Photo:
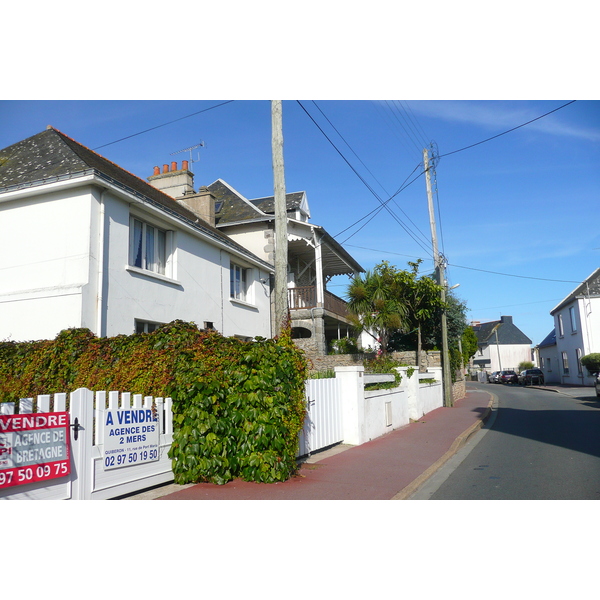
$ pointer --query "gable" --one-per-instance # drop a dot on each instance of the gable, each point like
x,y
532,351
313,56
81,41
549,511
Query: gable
x,y
589,288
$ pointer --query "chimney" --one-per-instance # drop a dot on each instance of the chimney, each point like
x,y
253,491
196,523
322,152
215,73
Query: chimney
x,y
507,320
174,182
201,204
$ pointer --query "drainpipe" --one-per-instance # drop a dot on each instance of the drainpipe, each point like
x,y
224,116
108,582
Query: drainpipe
x,y
100,254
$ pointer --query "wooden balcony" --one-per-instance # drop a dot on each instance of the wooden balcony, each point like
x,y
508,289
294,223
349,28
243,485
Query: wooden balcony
x,y
306,297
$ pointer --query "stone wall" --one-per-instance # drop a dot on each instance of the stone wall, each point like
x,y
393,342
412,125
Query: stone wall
x,y
322,362
459,390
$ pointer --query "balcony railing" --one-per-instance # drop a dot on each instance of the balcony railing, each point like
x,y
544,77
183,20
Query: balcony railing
x,y
306,297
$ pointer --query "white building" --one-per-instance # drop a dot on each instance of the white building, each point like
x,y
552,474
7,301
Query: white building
x,y
501,346
576,333
84,243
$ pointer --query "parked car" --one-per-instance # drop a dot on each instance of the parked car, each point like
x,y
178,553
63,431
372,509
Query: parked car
x,y
508,377
493,377
531,377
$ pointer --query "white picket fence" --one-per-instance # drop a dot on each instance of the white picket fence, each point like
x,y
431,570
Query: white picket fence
x,y
89,479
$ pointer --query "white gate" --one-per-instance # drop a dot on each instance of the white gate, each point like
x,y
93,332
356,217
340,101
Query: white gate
x,y
89,480
323,425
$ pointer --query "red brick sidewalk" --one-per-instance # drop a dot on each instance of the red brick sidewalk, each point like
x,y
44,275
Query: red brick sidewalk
x,y
389,467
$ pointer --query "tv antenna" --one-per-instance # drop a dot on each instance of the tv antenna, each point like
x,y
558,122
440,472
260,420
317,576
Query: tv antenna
x,y
190,150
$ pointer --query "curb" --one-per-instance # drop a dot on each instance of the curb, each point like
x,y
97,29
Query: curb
x,y
458,443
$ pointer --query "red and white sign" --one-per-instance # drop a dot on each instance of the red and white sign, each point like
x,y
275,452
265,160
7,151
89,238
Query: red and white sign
x,y
34,447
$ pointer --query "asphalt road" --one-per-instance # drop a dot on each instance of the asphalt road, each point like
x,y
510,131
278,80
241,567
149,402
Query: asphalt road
x,y
539,445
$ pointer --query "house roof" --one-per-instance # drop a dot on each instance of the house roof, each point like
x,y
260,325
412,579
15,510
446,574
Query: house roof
x,y
236,209
549,340
508,333
51,156
590,287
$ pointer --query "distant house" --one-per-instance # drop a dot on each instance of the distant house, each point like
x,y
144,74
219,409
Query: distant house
x,y
314,257
501,345
84,243
576,333
547,358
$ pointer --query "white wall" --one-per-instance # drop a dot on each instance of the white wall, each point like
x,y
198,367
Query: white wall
x,y
65,264
510,356
44,253
585,336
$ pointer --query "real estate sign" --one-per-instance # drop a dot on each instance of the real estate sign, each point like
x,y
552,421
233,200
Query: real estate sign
x,y
34,447
131,437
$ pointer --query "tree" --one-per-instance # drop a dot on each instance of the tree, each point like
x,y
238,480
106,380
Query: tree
x,y
392,301
422,296
375,305
469,344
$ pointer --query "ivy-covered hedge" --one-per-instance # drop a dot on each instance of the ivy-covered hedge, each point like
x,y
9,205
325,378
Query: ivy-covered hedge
x,y
238,406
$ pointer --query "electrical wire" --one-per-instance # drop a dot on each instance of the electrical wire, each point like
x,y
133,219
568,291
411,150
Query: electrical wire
x,y
375,178
384,205
473,268
507,131
163,125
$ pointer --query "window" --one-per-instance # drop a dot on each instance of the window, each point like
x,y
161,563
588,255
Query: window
x,y
148,247
548,364
561,331
239,283
565,362
579,365
145,326
573,319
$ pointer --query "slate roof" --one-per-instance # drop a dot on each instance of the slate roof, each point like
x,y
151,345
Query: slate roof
x,y
508,333
549,340
52,156
236,208
590,287
267,205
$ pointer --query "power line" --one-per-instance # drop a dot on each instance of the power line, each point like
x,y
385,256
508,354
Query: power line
x,y
375,178
473,268
163,125
507,131
384,205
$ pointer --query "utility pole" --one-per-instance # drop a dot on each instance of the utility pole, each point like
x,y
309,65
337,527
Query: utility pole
x,y
441,278
281,243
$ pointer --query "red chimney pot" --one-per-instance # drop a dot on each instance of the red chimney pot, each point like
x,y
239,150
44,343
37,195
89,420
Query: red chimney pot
x,y
165,168
156,170
184,165
173,166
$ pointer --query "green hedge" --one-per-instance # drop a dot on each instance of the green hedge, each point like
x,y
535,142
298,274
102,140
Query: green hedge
x,y
238,406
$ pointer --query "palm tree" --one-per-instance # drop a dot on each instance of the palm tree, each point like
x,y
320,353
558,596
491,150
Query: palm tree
x,y
375,303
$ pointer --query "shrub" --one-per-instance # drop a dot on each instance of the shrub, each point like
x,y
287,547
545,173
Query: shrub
x,y
591,362
238,407
526,364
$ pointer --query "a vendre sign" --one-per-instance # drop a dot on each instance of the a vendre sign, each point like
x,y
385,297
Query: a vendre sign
x,y
34,447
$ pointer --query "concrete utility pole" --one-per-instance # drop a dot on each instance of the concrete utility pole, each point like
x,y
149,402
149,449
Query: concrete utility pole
x,y
441,278
281,242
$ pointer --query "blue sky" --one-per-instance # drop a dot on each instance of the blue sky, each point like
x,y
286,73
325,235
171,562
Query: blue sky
x,y
512,213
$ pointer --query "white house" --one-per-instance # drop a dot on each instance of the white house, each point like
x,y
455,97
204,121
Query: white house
x,y
501,345
84,243
576,333
314,257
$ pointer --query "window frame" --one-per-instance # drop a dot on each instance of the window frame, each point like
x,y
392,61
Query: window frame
x,y
240,283
147,326
565,363
573,319
145,238
561,329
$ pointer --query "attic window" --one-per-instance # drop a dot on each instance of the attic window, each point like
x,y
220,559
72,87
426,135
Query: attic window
x,y
218,207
